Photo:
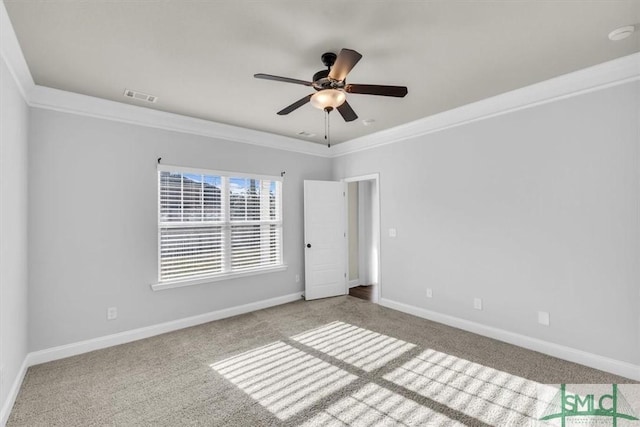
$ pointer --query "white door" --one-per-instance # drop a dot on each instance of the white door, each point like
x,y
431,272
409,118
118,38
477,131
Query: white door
x,y
325,239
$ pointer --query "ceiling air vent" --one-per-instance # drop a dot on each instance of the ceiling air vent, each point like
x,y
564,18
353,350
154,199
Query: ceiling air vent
x,y
140,96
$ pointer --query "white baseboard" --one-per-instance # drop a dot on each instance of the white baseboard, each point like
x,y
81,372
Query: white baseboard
x,y
578,356
13,394
60,352
603,363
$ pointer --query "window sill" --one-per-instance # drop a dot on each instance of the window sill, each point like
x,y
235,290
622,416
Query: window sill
x,y
192,282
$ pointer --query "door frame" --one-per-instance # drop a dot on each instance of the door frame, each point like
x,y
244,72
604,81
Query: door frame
x,y
376,225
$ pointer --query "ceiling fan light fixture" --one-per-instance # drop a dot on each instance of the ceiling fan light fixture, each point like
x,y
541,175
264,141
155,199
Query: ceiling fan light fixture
x,y
328,98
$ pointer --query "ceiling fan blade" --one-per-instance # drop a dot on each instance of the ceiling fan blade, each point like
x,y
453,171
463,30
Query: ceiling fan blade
x,y
397,91
347,59
299,103
281,79
347,112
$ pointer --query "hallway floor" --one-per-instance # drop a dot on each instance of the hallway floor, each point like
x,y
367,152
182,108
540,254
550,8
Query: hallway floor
x,y
367,293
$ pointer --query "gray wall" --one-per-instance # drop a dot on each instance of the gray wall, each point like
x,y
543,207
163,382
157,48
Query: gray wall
x,y
93,225
533,210
13,230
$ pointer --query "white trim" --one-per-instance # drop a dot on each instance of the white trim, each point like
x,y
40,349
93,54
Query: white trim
x,y
354,283
376,223
611,73
596,361
615,72
369,177
217,278
81,347
198,171
13,393
83,105
12,55
608,74
13,58
69,102
68,350
225,225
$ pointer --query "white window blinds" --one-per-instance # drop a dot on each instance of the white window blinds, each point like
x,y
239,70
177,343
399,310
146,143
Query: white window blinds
x,y
217,223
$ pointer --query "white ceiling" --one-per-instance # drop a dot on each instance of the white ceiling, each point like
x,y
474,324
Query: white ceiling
x,y
199,57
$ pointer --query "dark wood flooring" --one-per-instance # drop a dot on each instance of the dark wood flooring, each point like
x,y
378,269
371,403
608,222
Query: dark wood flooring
x,y
363,292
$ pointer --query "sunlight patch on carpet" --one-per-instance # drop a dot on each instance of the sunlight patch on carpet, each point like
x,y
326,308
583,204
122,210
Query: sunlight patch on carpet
x,y
489,395
359,347
288,381
373,405
283,379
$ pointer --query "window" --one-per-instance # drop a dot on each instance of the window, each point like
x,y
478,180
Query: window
x,y
217,224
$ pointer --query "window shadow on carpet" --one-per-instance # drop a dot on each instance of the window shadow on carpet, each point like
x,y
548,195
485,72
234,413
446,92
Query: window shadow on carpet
x,y
343,375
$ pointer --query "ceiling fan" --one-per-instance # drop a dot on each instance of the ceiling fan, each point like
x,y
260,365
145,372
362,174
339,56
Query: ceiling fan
x,y
331,86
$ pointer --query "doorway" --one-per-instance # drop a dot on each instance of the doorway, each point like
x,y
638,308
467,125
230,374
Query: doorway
x,y
363,237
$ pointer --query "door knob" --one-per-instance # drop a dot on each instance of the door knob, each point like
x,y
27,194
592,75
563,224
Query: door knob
x,y
308,245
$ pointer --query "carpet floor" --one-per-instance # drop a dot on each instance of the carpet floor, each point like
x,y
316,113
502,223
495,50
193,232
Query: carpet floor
x,y
337,362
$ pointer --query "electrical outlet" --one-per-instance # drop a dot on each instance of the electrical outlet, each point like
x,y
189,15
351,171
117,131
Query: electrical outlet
x,y
477,303
112,313
429,293
543,318
393,232
297,278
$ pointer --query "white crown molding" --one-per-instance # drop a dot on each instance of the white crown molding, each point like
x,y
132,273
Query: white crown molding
x,y
601,76
59,100
596,361
69,102
615,72
618,71
12,55
68,350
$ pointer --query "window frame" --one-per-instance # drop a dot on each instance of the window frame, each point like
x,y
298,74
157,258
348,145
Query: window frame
x,y
226,224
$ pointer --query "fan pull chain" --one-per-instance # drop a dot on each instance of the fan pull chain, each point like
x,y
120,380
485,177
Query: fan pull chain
x,y
327,130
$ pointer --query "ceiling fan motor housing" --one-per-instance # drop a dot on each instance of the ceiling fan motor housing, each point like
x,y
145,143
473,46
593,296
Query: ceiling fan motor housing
x,y
322,74
321,79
